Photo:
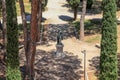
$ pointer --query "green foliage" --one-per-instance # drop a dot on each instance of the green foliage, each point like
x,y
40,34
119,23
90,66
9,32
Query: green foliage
x,y
20,27
13,74
89,4
91,26
73,3
108,58
93,39
12,42
12,34
44,4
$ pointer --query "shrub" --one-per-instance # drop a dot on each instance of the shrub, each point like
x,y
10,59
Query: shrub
x,y
89,4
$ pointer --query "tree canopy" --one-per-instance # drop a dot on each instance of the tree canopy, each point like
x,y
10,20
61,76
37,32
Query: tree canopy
x,y
73,3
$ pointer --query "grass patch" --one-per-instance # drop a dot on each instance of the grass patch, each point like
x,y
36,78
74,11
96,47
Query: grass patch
x,y
93,38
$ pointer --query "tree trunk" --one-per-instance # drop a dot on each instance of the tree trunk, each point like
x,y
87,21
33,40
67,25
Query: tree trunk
x,y
33,36
75,13
25,31
4,15
39,19
82,20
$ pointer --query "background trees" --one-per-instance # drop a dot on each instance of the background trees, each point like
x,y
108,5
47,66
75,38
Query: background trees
x,y
12,60
89,4
108,58
74,4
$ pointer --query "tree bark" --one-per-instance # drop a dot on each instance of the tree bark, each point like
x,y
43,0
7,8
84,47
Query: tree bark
x,y
4,15
82,20
25,31
33,36
75,13
39,19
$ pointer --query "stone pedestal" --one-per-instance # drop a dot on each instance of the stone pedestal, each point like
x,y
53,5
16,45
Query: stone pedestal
x,y
59,50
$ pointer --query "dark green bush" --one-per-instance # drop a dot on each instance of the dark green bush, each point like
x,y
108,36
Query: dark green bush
x,y
108,55
91,26
89,4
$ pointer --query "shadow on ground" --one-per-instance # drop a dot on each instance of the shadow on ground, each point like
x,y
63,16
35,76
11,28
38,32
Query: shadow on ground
x,y
66,18
49,32
48,67
28,17
66,30
65,5
94,65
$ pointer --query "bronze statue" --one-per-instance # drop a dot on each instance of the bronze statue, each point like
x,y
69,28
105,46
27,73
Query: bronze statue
x,y
59,37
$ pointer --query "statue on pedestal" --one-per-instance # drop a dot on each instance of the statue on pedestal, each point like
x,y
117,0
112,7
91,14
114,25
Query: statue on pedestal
x,y
59,45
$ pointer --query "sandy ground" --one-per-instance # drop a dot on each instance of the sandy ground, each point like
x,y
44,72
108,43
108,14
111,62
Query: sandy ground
x,y
75,46
57,9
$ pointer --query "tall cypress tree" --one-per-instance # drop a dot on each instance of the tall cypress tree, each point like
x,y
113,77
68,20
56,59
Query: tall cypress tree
x,y
12,72
108,58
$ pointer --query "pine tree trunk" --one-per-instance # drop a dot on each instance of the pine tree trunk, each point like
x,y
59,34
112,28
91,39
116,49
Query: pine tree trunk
x,y
33,35
25,31
75,13
82,20
39,19
4,15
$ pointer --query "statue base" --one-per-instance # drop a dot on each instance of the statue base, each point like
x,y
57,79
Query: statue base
x,y
59,50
